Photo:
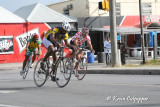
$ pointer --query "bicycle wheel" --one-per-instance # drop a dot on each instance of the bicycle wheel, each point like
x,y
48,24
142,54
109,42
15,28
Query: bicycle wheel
x,y
63,71
26,69
82,69
39,75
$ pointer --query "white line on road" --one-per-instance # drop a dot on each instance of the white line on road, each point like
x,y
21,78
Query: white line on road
x,y
4,105
7,91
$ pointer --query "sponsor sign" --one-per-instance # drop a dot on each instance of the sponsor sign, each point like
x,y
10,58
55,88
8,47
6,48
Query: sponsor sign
x,y
23,38
6,45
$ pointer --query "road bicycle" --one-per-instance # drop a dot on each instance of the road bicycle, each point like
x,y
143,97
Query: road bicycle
x,y
62,70
83,64
28,65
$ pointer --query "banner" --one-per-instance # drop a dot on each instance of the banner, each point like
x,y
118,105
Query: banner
x,y
6,45
23,38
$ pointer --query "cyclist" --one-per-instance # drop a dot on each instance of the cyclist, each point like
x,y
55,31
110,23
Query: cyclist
x,y
52,40
107,47
31,46
78,40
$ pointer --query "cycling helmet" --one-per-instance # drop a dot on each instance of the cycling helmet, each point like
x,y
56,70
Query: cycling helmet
x,y
35,36
85,31
66,26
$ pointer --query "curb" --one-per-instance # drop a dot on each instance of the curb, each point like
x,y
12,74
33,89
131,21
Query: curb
x,y
126,71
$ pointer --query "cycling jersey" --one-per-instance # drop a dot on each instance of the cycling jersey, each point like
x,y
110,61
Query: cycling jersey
x,y
58,34
80,38
32,45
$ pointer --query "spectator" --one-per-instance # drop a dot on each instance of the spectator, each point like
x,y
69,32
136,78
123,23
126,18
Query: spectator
x,y
107,47
123,49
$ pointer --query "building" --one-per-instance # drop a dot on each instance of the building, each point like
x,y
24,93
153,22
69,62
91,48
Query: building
x,y
16,28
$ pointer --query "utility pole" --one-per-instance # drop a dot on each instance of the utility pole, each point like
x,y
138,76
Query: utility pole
x,y
142,34
113,33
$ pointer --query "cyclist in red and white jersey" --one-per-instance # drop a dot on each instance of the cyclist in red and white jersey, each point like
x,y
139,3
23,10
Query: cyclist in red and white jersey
x,y
78,40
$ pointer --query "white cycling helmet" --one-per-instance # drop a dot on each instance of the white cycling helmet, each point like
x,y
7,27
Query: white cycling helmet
x,y
66,26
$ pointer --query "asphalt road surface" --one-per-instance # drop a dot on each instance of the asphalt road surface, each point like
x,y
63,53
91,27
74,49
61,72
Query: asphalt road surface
x,y
96,90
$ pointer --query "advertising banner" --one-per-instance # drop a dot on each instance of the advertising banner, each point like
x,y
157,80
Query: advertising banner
x,y
6,45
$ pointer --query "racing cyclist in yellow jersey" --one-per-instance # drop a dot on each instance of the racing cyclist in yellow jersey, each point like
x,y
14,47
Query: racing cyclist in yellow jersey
x,y
31,46
52,40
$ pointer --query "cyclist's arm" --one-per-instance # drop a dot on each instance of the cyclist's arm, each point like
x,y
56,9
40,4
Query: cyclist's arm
x,y
53,40
90,45
69,45
27,46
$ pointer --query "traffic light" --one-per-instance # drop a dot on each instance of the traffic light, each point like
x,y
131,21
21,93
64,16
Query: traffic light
x,y
104,5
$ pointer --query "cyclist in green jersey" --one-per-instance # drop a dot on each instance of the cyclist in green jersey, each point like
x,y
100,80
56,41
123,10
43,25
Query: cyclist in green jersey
x,y
31,46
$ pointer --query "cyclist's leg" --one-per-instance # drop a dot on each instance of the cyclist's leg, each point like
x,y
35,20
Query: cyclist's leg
x,y
27,55
46,44
78,57
34,55
73,52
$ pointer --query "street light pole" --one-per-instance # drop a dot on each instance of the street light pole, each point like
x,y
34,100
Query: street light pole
x,y
142,34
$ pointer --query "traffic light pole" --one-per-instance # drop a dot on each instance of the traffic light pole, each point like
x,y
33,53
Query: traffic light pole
x,y
113,33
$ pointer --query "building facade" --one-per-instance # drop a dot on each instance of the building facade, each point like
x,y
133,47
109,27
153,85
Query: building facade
x,y
127,11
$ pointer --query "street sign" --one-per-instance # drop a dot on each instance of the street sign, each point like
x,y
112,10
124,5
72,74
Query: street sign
x,y
146,9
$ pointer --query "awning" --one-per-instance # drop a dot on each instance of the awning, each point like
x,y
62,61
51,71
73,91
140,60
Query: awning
x,y
127,30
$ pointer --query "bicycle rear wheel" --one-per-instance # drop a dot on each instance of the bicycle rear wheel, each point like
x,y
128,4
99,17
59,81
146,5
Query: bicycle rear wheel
x,y
82,69
26,69
63,71
39,75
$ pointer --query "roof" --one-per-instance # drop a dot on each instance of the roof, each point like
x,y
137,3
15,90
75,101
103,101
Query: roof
x,y
9,17
40,13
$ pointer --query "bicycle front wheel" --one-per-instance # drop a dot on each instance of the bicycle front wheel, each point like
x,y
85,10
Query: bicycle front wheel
x,y
63,71
26,69
82,69
40,76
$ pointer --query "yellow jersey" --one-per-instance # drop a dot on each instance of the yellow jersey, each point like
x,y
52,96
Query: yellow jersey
x,y
58,34
33,45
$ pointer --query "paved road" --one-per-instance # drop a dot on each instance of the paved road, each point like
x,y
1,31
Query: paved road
x,y
96,90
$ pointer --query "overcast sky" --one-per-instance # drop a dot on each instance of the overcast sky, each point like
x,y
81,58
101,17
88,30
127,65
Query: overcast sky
x,y
13,5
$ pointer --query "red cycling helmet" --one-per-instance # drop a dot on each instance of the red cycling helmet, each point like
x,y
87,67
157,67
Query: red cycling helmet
x,y
85,31
35,36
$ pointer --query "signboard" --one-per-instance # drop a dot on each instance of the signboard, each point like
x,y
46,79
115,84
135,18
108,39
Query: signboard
x,y
23,38
6,45
146,8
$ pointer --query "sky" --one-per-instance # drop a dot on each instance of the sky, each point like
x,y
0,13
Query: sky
x,y
13,5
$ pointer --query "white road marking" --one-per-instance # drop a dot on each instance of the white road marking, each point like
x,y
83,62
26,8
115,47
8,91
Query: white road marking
x,y
4,105
7,91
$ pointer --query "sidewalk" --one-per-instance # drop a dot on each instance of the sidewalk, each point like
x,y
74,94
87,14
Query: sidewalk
x,y
101,68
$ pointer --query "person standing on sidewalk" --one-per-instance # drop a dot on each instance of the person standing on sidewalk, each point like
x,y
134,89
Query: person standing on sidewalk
x,y
107,47
123,49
